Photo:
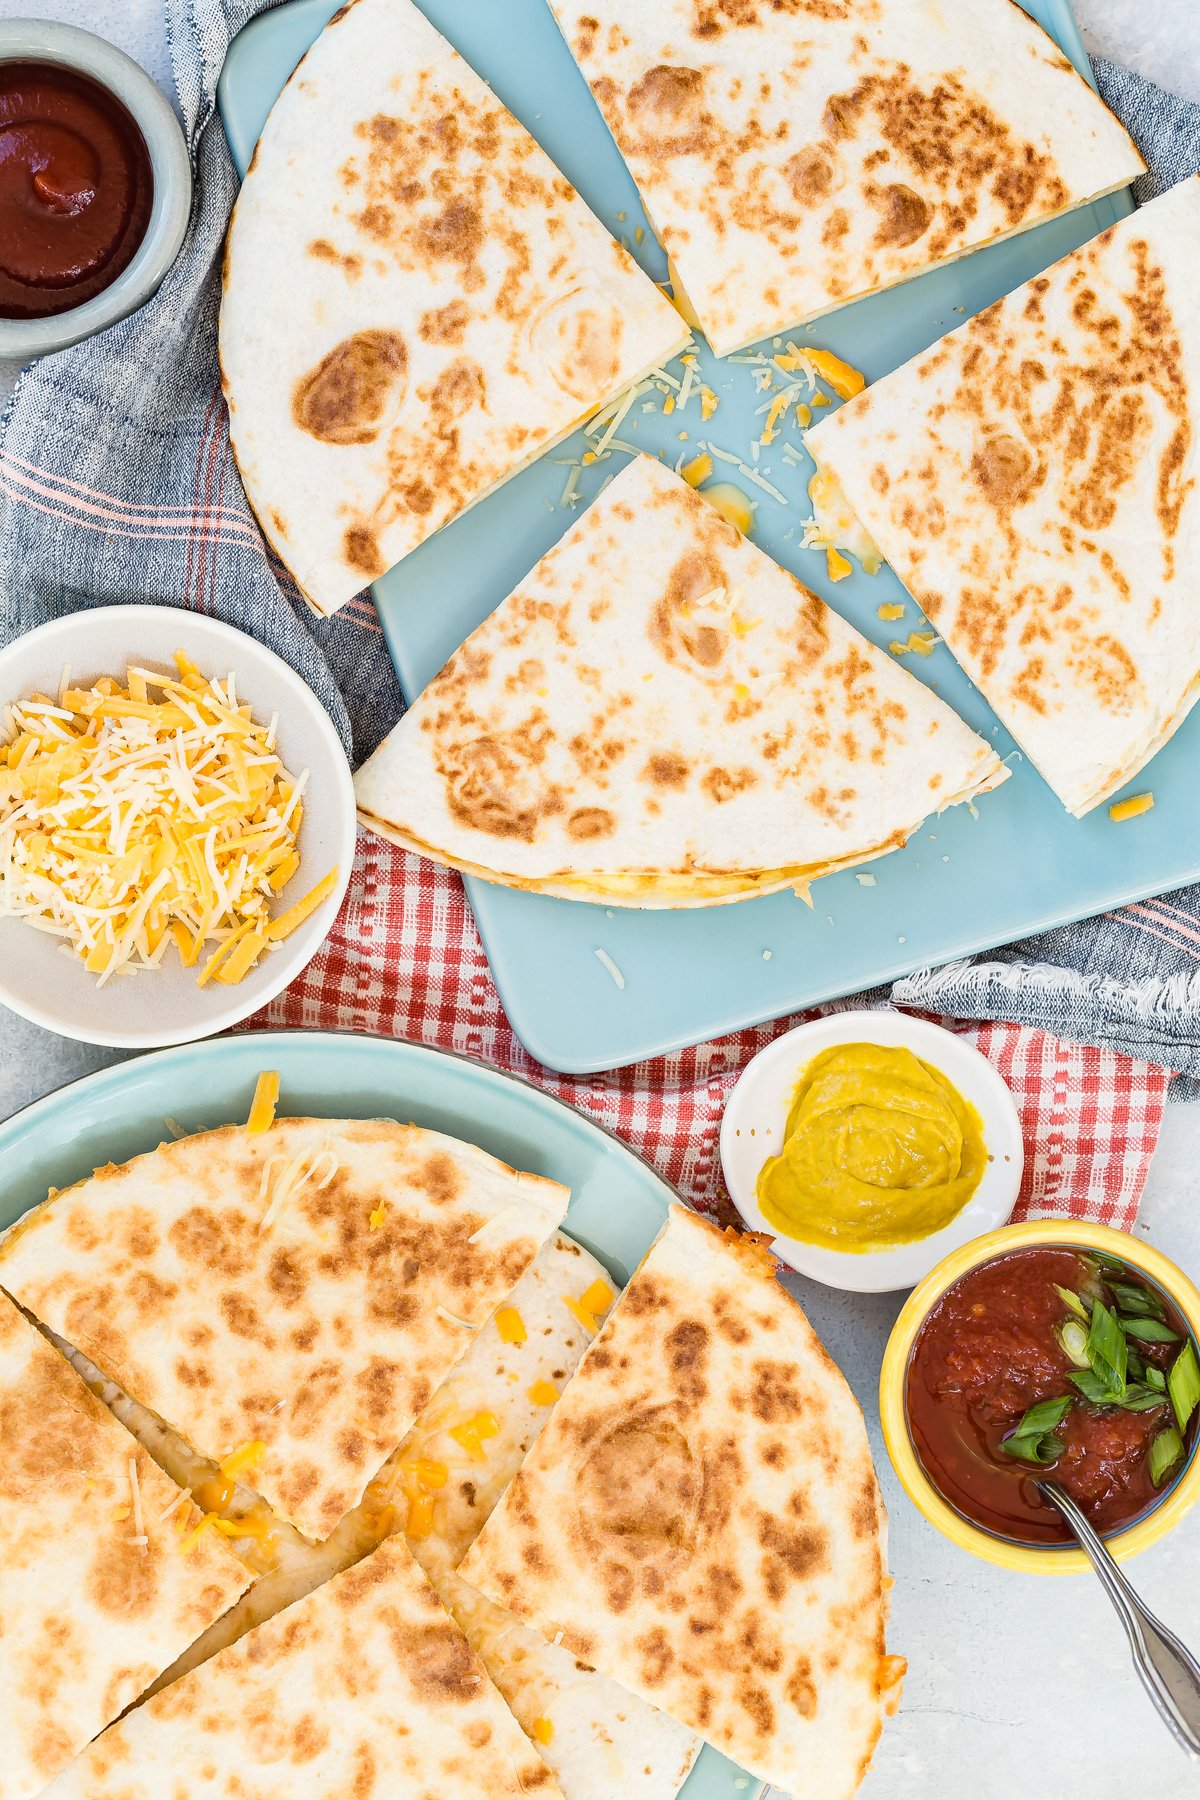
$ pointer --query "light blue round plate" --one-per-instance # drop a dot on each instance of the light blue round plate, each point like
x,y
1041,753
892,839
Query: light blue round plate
x,y
617,1204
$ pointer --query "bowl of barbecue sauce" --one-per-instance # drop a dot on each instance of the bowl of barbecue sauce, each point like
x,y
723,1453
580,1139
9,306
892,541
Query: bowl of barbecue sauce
x,y
95,186
1059,1351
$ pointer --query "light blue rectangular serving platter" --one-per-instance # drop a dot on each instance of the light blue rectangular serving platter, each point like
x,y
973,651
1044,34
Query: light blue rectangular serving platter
x,y
962,884
617,1205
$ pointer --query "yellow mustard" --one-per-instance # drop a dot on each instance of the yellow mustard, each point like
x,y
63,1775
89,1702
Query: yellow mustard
x,y
880,1149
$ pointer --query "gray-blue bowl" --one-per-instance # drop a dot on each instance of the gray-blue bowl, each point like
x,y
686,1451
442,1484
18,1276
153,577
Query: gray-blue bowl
x,y
40,40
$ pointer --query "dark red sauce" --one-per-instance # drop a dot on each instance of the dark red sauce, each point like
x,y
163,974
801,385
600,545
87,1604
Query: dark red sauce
x,y
75,189
987,1352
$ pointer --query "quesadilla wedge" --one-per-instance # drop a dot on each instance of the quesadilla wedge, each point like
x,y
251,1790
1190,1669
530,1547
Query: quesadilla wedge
x,y
416,302
700,1519
1034,480
439,1486
796,154
660,716
295,1294
99,1586
365,1688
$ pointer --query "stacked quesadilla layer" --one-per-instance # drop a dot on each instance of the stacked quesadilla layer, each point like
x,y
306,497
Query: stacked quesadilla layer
x,y
1034,480
662,716
700,1519
795,155
100,1587
365,1688
416,302
302,1290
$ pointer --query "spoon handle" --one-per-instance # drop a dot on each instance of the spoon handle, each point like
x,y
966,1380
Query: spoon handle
x,y
1168,1670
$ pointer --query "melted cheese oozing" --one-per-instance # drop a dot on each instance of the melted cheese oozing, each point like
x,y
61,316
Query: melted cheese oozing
x,y
835,527
130,826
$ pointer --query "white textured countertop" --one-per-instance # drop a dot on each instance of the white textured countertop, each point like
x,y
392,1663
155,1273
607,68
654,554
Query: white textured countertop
x,y
1017,1685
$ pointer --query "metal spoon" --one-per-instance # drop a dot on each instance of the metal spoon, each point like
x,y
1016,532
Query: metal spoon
x,y
1169,1673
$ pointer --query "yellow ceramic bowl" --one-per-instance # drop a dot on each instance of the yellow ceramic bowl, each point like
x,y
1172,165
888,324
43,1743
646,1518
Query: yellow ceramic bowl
x,y
1077,1235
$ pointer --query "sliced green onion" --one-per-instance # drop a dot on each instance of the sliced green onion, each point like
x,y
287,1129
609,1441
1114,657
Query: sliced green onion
x,y
1074,1338
1073,1302
1135,1366
1183,1384
1141,1399
1150,1331
1033,1438
1096,1390
1156,1378
1139,1302
1166,1449
1107,1348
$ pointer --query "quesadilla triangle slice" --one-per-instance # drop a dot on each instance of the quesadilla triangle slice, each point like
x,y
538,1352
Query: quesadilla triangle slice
x,y
1034,480
365,1688
796,154
99,1587
700,1519
289,1297
661,716
416,303
439,1486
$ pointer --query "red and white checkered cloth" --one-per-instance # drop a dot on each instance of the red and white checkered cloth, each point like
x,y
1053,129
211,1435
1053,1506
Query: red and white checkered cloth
x,y
404,959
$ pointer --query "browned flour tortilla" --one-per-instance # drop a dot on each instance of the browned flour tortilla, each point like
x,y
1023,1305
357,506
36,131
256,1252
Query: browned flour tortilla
x,y
97,1590
1034,480
365,1690
700,1520
304,1288
661,716
794,154
416,302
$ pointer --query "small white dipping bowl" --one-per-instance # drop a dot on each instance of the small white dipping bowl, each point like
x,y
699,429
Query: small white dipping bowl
x,y
755,1118
149,1008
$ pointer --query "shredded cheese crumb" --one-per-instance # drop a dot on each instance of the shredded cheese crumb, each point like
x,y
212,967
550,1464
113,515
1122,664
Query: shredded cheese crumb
x,y
603,957
542,1730
919,642
1131,808
838,565
698,470
472,1434
865,880
590,1305
266,1098
376,1218
889,613
295,1175
511,1326
542,1393
131,826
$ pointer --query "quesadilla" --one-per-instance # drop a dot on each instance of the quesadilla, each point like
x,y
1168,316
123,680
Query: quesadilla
x,y
440,1485
293,1294
416,304
796,154
700,1519
365,1688
99,1587
1033,480
660,716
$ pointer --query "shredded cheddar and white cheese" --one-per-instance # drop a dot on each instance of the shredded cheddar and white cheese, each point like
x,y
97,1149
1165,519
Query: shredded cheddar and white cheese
x,y
130,824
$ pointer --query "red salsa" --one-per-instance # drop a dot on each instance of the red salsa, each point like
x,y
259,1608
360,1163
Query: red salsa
x,y
75,189
1052,1363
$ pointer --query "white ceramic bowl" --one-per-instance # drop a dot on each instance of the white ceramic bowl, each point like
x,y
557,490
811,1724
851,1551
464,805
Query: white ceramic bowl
x,y
753,1129
42,40
148,1009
